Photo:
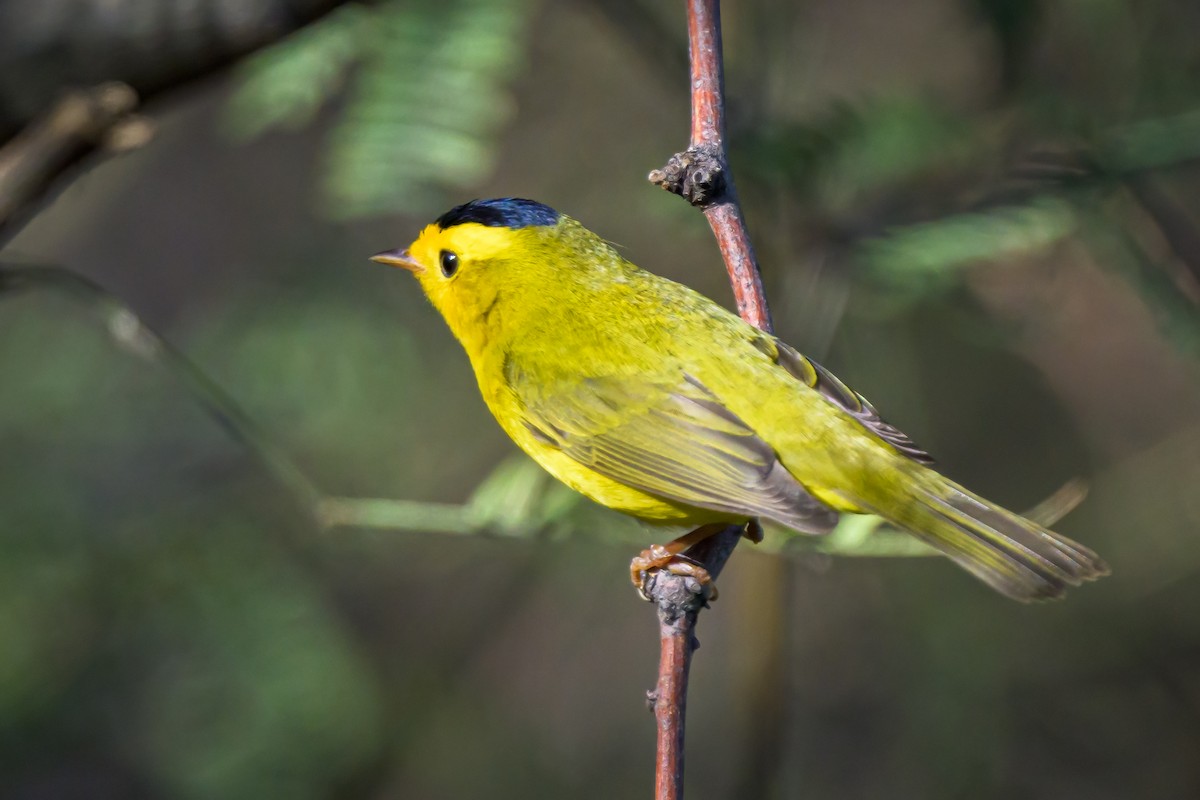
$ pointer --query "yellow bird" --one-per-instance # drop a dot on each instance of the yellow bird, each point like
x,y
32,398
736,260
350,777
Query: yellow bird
x,y
651,399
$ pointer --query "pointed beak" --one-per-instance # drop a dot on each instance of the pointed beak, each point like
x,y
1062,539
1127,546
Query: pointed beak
x,y
398,258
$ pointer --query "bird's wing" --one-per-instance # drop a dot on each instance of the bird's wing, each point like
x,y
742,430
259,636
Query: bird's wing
x,y
827,384
671,440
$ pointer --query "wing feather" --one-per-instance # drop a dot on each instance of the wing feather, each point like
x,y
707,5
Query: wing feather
x,y
811,373
678,442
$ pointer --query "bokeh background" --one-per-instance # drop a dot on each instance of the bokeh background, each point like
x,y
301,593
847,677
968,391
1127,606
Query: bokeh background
x,y
983,214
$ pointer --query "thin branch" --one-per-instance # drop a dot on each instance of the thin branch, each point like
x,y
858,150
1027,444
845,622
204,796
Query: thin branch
x,y
132,336
411,515
679,602
701,176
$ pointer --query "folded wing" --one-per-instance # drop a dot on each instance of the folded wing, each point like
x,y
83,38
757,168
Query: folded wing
x,y
672,440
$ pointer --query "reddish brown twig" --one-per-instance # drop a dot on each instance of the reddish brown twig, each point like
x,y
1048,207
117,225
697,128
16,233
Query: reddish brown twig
x,y
701,173
679,601
701,176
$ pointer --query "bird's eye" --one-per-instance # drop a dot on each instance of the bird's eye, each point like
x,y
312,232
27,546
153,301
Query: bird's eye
x,y
449,262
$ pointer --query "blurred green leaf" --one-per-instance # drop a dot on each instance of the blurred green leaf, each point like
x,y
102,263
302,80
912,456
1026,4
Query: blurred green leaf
x,y
927,256
863,535
1152,143
507,499
893,140
422,107
284,86
429,97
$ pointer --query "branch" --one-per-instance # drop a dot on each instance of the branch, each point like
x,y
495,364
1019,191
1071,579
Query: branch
x,y
701,176
679,601
154,48
80,123
148,50
132,336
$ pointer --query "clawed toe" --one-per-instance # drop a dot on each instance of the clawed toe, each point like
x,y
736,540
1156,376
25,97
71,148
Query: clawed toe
x,y
657,557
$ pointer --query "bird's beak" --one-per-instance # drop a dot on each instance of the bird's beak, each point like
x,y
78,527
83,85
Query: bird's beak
x,y
398,258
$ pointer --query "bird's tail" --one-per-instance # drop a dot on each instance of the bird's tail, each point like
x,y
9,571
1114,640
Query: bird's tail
x,y
1009,553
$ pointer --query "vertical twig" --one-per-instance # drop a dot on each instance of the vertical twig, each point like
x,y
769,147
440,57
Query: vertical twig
x,y
701,176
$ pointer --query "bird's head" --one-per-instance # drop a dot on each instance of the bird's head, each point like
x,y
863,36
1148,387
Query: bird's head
x,y
492,255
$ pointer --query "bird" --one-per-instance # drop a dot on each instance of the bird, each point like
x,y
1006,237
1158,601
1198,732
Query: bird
x,y
651,399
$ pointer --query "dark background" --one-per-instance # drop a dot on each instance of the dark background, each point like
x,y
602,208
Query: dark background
x,y
980,214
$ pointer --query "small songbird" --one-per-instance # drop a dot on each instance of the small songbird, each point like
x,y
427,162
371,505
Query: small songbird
x,y
651,399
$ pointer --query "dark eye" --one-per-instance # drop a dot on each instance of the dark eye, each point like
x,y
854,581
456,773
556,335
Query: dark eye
x,y
449,262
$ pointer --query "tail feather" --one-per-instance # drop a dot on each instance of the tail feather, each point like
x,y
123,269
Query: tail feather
x,y
1011,554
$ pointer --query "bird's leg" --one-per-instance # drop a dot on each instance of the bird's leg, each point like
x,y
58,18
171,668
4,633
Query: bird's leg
x,y
670,557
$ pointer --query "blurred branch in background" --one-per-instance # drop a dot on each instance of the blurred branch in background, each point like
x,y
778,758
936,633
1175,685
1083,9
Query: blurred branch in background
x,y
150,46
82,122
50,123
131,336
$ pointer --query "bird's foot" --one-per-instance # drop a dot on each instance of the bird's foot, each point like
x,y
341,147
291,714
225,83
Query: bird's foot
x,y
669,557
658,557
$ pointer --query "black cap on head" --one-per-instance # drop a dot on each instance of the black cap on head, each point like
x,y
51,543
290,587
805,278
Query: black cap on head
x,y
501,212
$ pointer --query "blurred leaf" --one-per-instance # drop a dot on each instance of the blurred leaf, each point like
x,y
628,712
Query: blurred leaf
x,y
284,86
423,106
927,256
1065,500
1153,143
507,499
863,535
892,141
429,96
